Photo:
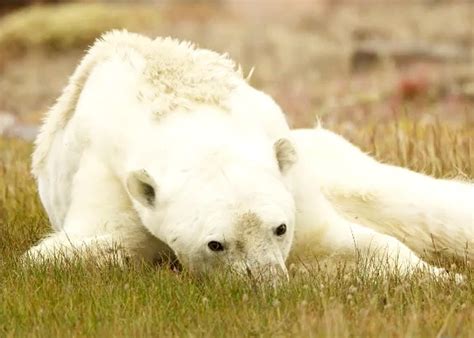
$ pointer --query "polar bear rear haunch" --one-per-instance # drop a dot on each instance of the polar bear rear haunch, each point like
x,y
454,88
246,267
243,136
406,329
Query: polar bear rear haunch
x,y
163,148
433,217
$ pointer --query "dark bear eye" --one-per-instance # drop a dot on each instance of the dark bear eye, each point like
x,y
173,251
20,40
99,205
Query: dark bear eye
x,y
280,230
215,246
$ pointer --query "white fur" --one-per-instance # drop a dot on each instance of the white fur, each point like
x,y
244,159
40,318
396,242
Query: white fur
x,y
197,133
346,199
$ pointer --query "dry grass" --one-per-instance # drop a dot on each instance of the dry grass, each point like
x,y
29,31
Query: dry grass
x,y
87,300
435,148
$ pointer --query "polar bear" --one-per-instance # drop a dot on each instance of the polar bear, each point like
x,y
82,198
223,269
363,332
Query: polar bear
x,y
158,148
347,199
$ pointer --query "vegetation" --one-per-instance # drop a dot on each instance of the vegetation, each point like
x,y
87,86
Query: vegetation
x,y
84,299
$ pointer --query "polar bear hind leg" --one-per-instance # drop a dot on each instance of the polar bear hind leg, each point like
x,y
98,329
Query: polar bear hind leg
x,y
432,216
322,232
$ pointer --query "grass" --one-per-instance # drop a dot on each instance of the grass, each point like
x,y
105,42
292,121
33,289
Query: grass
x,y
83,299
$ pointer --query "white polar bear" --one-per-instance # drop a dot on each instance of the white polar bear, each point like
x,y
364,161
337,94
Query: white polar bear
x,y
345,198
162,149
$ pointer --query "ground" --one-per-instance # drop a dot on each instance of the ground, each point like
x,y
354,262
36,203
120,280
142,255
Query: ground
x,y
337,63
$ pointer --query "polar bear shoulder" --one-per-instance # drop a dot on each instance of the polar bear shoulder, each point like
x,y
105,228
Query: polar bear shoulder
x,y
172,73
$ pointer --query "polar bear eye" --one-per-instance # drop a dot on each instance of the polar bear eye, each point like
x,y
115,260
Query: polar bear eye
x,y
215,246
280,230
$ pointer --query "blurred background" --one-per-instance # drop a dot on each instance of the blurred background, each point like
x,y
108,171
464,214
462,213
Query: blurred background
x,y
350,63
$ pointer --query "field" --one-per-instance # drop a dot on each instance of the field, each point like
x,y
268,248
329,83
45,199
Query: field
x,y
418,113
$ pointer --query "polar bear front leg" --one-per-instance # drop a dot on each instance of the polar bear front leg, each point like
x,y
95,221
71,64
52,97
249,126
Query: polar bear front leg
x,y
99,219
61,247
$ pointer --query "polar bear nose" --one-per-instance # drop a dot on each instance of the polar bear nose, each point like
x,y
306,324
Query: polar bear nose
x,y
272,274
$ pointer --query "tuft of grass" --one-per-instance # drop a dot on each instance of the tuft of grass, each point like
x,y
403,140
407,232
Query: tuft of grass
x,y
57,28
83,299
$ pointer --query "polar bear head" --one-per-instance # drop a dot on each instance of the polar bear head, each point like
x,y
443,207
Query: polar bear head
x,y
228,209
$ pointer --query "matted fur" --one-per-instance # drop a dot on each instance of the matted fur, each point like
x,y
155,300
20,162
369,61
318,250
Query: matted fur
x,y
176,74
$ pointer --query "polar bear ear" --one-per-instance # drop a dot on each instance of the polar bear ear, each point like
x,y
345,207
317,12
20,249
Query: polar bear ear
x,y
285,154
142,187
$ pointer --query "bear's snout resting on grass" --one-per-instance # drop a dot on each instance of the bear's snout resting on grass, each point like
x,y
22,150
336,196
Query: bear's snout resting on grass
x,y
158,148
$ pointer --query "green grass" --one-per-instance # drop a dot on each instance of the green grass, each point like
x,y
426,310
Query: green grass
x,y
84,299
